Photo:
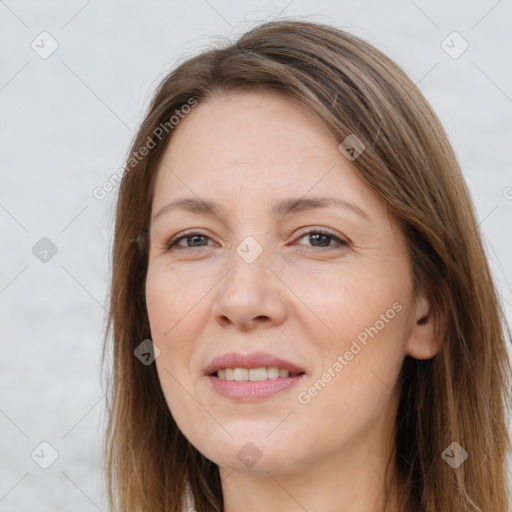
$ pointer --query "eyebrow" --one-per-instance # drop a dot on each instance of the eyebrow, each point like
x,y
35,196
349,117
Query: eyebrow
x,y
280,209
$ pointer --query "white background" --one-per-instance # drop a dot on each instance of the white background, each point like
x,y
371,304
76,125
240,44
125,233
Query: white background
x,y
66,125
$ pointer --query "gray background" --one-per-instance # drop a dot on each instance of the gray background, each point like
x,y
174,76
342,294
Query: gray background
x,y
66,125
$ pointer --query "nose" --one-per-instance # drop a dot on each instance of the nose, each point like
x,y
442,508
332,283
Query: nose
x,y
251,295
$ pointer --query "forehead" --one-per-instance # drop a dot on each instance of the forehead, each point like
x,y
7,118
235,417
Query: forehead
x,y
261,144
250,127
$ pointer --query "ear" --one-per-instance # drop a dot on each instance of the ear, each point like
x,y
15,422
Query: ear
x,y
427,329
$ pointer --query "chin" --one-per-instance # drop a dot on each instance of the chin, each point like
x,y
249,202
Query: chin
x,y
252,454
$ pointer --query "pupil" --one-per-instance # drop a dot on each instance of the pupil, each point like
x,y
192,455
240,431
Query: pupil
x,y
195,237
318,235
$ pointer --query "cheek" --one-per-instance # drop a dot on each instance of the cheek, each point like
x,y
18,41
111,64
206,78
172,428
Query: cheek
x,y
346,301
172,300
360,355
167,312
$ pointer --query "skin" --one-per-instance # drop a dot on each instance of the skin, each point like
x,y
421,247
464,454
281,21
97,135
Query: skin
x,y
304,299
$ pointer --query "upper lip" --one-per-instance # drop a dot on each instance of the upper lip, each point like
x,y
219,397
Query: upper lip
x,y
252,360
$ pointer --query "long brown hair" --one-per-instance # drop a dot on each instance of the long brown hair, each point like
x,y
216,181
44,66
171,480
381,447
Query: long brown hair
x,y
460,395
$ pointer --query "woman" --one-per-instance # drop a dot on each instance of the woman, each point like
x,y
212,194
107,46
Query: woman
x,y
302,313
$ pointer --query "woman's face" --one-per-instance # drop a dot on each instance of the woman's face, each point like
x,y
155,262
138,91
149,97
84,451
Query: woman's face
x,y
312,303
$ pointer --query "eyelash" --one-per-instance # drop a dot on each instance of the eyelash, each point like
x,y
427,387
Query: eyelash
x,y
172,244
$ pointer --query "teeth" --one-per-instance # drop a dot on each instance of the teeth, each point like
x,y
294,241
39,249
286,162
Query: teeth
x,y
272,372
253,374
241,373
257,374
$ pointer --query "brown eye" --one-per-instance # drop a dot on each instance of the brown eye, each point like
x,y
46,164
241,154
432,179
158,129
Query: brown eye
x,y
322,239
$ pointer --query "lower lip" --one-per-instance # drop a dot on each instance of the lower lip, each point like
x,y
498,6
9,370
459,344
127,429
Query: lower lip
x,y
247,390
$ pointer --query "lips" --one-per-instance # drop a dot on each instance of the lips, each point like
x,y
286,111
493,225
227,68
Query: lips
x,y
250,361
252,377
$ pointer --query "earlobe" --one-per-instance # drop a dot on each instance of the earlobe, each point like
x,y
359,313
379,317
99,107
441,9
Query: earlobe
x,y
425,336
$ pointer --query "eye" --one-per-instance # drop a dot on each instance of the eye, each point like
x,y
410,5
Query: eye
x,y
321,238
192,240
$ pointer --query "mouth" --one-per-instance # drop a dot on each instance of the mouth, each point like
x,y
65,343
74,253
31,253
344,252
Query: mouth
x,y
250,377
254,374
254,366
